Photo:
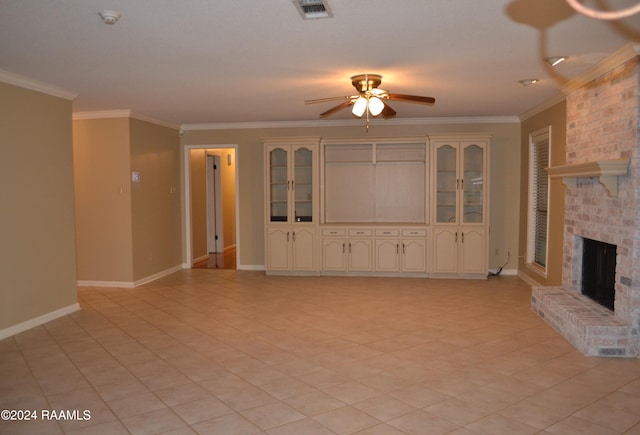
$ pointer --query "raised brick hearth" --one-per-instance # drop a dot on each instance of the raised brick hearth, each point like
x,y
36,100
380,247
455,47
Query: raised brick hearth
x,y
602,125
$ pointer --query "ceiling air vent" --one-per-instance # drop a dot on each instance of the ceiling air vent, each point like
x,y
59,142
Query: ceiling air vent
x,y
313,9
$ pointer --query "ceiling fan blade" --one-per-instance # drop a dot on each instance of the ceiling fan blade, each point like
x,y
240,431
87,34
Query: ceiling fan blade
x,y
336,108
322,100
412,98
388,112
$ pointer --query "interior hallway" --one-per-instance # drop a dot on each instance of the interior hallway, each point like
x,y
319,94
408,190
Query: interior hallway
x,y
223,352
221,260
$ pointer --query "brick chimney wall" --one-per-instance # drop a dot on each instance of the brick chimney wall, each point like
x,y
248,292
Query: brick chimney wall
x,y
602,124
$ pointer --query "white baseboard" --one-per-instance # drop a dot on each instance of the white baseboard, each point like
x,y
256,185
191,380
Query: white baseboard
x,y
254,267
128,284
532,282
157,275
120,284
40,320
510,272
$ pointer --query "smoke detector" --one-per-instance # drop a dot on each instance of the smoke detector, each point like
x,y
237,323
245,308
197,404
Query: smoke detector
x,y
313,9
109,17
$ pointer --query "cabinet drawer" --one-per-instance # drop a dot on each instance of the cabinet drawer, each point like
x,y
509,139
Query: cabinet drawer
x,y
361,232
387,232
414,233
334,232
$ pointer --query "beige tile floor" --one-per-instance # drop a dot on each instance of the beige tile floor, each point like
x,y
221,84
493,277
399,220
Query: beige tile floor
x,y
226,352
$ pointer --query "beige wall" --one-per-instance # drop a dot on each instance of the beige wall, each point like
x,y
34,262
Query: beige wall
x,y
155,200
504,196
556,117
126,231
103,199
37,249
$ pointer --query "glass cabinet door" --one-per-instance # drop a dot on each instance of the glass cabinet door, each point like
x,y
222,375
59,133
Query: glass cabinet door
x,y
472,184
303,184
278,185
446,184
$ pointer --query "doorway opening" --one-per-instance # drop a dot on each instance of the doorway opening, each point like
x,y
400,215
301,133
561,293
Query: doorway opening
x,y
211,198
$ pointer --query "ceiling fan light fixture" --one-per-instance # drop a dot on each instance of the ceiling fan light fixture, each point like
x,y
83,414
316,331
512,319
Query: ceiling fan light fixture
x,y
359,107
375,106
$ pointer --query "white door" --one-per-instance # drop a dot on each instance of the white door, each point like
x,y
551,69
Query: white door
x,y
215,233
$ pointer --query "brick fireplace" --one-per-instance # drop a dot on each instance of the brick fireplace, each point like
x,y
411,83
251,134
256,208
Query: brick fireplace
x,y
601,204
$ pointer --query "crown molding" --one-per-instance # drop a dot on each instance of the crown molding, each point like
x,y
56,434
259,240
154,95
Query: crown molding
x,y
35,85
612,61
543,106
102,114
352,122
124,113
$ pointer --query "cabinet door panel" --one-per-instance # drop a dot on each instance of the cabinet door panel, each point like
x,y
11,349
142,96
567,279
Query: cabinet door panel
x,y
278,184
445,251
472,184
334,255
303,184
387,255
278,249
414,255
349,193
360,255
446,184
472,258
304,249
406,204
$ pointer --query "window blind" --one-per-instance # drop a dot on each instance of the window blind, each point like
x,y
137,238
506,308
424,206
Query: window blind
x,y
539,201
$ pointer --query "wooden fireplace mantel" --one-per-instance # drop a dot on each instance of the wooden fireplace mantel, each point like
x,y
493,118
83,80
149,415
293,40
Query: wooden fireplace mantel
x,y
607,172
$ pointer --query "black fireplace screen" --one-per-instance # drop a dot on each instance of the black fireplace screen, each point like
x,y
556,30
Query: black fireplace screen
x,y
599,272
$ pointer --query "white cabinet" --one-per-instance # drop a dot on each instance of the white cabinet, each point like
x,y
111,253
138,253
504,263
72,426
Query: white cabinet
x,y
291,249
291,203
460,182
460,214
459,251
394,206
347,250
401,250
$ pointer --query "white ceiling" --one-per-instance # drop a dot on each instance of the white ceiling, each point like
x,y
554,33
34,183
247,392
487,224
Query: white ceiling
x,y
226,61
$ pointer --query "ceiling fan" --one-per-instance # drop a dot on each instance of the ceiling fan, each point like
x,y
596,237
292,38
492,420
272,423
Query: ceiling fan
x,y
369,99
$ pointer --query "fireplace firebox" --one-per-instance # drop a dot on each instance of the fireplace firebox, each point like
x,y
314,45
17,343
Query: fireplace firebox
x,y
599,272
